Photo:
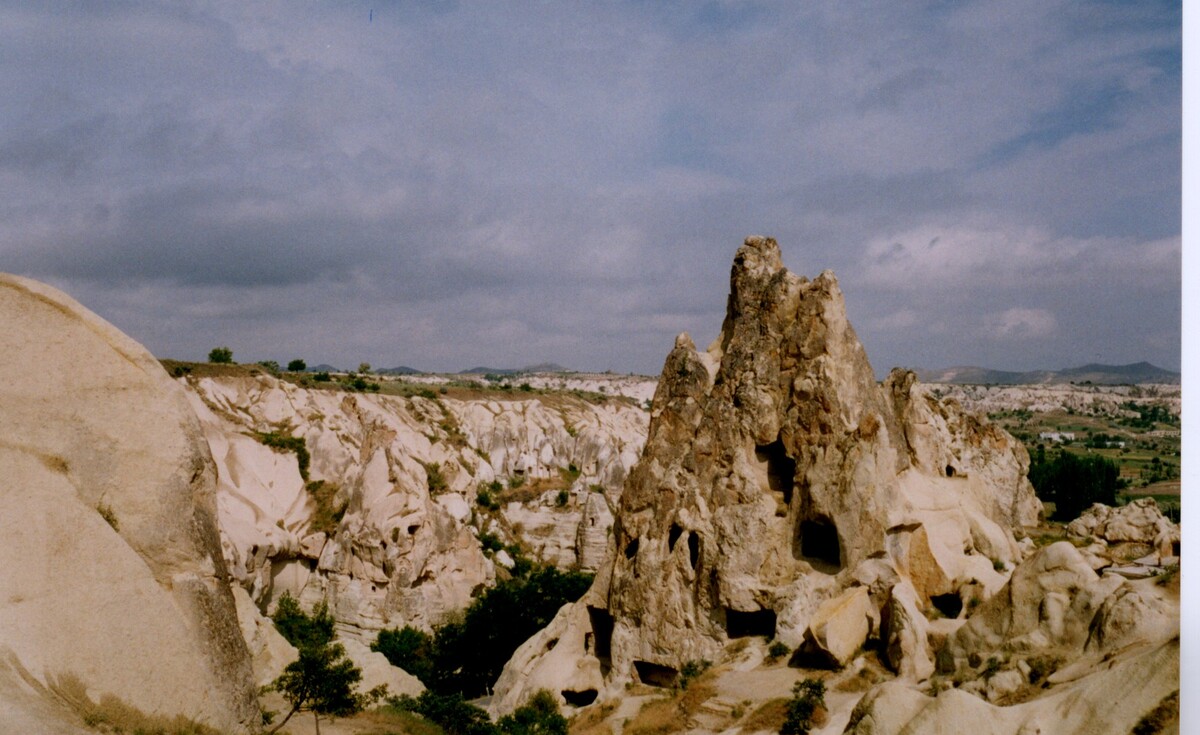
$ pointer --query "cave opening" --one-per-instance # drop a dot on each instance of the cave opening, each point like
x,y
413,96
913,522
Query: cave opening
x,y
601,641
673,536
817,543
949,470
631,549
742,624
656,675
949,604
693,543
579,699
781,469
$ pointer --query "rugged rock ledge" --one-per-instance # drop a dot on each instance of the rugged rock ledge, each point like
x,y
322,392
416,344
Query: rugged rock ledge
x,y
406,473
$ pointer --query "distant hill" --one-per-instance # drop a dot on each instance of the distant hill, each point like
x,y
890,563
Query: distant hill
x,y
541,367
1132,374
400,370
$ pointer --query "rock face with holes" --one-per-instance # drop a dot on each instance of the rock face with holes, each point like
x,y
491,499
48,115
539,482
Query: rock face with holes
x,y
113,574
778,473
384,520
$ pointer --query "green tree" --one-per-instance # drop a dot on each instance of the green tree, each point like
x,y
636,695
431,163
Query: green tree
x,y
808,698
1073,482
301,630
409,649
221,355
538,716
364,368
322,680
297,366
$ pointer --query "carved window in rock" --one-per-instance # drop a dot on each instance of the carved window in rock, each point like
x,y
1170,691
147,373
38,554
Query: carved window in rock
x,y
780,471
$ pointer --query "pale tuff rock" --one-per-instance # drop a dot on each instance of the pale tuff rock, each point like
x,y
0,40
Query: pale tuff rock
x,y
1138,522
840,626
778,474
406,470
906,634
556,658
377,671
269,651
1109,702
107,531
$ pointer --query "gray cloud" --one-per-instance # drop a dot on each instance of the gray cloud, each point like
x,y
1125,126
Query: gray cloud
x,y
450,184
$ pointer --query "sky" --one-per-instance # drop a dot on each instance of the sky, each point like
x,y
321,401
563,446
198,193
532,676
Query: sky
x,y
449,184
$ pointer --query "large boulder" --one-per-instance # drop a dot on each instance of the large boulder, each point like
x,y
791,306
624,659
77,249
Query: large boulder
x,y
113,573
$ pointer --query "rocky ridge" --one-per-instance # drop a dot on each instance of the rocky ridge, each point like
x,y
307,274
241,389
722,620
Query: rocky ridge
x,y
784,494
386,524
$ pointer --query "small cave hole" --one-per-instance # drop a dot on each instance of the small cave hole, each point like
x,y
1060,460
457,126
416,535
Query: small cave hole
x,y
949,470
781,469
949,604
673,536
631,549
693,543
551,644
740,624
602,627
817,543
656,675
579,699
413,528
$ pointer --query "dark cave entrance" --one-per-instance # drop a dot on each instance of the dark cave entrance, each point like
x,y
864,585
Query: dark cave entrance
x,y
781,470
949,604
656,675
740,624
817,543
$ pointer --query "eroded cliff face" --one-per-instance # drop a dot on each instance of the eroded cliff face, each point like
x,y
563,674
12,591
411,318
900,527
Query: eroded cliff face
x,y
404,473
113,574
782,488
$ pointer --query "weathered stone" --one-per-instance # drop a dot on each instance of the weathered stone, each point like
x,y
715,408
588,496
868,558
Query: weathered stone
x,y
906,634
774,457
840,626
107,533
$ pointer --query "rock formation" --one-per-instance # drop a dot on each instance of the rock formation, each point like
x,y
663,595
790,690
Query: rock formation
x,y
782,486
385,524
113,574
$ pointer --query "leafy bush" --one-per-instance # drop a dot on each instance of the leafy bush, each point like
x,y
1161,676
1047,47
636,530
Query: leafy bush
x,y
691,670
322,377
538,716
561,499
408,648
465,656
1073,482
303,630
286,443
485,499
450,711
808,700
270,366
778,650
329,510
221,355
434,477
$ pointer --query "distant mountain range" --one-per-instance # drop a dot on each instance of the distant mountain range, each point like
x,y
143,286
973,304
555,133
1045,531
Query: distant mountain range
x,y
1097,374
